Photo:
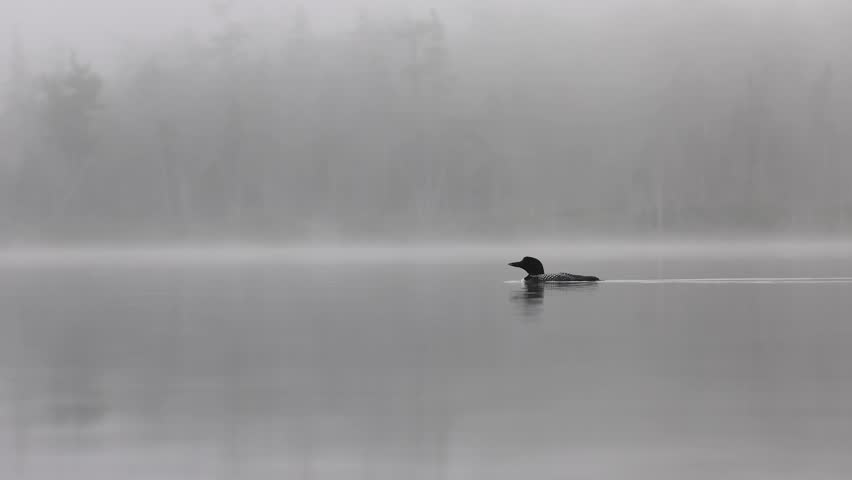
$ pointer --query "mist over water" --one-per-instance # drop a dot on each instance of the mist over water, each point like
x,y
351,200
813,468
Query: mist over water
x,y
337,121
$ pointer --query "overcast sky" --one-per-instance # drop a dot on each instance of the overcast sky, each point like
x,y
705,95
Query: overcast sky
x,y
92,22
93,26
96,29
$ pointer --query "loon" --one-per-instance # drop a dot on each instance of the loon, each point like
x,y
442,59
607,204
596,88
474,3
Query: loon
x,y
535,271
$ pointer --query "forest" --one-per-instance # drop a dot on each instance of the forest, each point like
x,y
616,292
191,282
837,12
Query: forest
x,y
692,119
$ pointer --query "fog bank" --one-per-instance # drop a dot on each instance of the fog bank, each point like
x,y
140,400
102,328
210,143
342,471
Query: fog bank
x,y
336,121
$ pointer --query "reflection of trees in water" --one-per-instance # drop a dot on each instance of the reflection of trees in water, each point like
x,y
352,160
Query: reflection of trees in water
x,y
217,364
83,356
55,387
67,395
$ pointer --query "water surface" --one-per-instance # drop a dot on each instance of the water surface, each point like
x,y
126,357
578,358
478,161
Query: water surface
x,y
440,369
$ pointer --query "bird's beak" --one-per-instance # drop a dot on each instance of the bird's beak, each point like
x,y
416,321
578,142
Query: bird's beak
x,y
515,264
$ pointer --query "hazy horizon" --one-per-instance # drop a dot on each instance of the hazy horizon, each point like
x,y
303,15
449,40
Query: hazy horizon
x,y
334,120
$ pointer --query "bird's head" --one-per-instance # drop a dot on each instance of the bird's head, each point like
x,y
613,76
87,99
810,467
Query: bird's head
x,y
530,264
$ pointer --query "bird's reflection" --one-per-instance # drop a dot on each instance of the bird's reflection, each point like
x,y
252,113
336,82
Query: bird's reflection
x,y
530,295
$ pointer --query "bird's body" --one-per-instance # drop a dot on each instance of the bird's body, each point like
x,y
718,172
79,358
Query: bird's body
x,y
561,277
535,273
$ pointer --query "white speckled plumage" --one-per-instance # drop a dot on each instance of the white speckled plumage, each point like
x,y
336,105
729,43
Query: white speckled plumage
x,y
559,277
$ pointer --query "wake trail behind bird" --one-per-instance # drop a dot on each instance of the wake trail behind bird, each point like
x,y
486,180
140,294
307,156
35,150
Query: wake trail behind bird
x,y
723,281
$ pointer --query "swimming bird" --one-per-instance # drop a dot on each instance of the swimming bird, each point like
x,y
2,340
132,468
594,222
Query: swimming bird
x,y
535,273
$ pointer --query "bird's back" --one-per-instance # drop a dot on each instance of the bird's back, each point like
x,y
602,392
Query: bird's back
x,y
561,277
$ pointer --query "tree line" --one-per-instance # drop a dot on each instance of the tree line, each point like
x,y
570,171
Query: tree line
x,y
407,129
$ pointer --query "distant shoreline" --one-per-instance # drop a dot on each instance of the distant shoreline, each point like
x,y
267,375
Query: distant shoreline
x,y
249,253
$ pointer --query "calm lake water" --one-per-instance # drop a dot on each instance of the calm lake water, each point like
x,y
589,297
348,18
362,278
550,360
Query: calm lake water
x,y
431,367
